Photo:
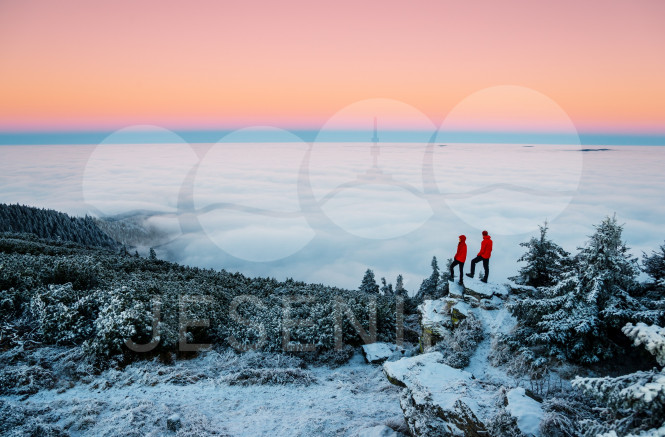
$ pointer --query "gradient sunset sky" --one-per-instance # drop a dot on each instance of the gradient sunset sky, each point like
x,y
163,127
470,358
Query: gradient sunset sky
x,y
85,65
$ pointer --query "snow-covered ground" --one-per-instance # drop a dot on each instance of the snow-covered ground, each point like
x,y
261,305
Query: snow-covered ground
x,y
197,398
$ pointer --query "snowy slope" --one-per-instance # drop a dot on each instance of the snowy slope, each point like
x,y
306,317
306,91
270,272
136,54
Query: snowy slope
x,y
342,402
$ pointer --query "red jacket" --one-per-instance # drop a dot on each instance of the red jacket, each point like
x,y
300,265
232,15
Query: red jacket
x,y
486,247
461,249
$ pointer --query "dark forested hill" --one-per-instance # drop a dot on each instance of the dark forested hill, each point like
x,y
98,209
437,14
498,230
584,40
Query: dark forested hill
x,y
53,225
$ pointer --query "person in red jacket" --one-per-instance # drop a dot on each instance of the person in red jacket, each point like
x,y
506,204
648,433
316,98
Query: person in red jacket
x,y
459,259
484,256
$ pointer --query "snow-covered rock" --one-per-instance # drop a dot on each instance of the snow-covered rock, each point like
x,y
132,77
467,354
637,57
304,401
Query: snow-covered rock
x,y
455,289
379,352
459,311
440,400
435,316
379,431
481,290
527,411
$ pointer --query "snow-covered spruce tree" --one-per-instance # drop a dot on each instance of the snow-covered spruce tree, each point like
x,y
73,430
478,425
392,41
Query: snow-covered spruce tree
x,y
654,266
369,284
545,261
431,287
636,401
386,289
399,287
579,317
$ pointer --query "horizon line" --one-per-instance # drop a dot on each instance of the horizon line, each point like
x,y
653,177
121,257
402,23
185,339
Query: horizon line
x,y
197,136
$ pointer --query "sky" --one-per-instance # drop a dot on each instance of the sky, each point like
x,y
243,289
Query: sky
x,y
81,65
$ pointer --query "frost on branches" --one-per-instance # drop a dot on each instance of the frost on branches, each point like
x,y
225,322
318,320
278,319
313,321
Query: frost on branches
x,y
545,261
577,317
635,402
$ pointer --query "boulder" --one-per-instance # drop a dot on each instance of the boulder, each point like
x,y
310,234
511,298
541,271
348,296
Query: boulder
x,y
435,321
455,290
173,422
478,289
376,353
527,411
459,311
439,400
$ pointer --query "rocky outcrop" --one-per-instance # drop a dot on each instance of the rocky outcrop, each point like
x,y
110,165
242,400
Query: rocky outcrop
x,y
478,289
377,353
438,400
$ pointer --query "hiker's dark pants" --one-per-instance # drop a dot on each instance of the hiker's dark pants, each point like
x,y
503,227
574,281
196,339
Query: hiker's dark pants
x,y
461,269
486,265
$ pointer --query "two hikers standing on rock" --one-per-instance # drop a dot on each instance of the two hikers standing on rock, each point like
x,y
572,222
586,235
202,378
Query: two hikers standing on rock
x,y
483,255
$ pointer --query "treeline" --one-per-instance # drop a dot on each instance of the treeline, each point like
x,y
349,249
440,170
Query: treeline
x,y
53,225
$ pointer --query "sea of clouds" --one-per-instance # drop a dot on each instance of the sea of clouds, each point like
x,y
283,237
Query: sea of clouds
x,y
326,211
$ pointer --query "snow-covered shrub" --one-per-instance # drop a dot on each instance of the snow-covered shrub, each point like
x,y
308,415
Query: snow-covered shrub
x,y
576,317
81,275
458,347
25,379
636,401
274,376
64,315
241,312
502,423
545,261
122,315
564,413
334,357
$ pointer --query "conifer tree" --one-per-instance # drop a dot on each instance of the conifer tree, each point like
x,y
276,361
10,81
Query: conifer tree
x,y
430,285
545,261
579,317
386,289
654,266
369,284
399,287
636,401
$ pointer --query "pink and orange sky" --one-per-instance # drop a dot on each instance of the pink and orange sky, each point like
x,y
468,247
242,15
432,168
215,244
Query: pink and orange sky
x,y
293,64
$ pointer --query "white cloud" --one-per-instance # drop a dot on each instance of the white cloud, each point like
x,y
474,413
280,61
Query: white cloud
x,y
297,237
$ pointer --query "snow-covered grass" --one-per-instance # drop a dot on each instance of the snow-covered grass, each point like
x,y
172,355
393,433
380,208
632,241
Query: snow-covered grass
x,y
195,398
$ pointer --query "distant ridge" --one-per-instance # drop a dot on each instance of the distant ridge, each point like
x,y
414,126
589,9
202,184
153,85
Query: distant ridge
x,y
53,225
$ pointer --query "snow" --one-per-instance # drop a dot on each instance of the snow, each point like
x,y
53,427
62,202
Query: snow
x,y
652,337
435,314
487,290
428,378
380,431
378,352
494,322
454,289
462,307
342,401
527,411
499,321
